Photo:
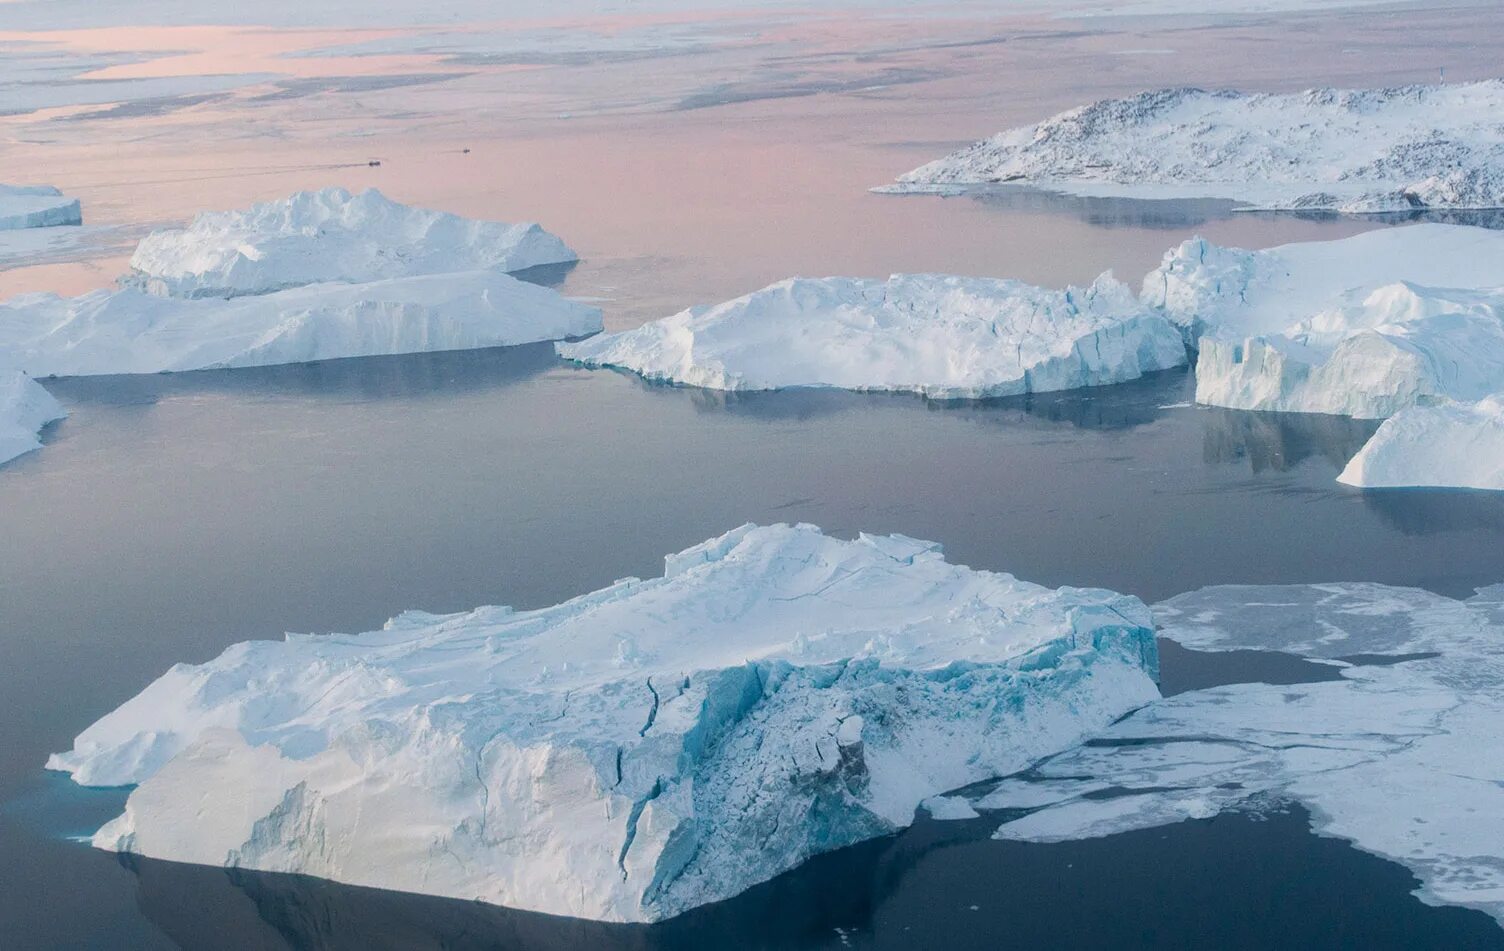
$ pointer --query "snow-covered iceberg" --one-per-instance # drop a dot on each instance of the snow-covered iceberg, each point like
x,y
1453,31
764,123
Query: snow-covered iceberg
x,y
36,206
943,336
1342,150
330,235
1363,326
631,753
24,409
1400,756
131,331
1458,445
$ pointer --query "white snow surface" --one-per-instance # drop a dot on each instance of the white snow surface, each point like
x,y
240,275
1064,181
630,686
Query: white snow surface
x,y
1402,760
1341,150
1457,445
939,335
330,235
36,206
131,331
25,407
630,753
1362,326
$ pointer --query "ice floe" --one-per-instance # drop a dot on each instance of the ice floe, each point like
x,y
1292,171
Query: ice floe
x,y
330,235
131,331
1400,756
36,206
1363,326
1342,150
943,336
630,753
24,409
1458,445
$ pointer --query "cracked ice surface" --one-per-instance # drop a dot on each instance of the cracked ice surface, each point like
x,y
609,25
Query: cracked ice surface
x,y
633,752
943,336
1403,760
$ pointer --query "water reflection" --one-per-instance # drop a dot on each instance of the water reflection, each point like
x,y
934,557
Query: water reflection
x,y
1278,442
1422,511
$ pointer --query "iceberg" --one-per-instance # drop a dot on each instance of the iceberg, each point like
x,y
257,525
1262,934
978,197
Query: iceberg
x,y
1400,756
131,331
36,206
1351,151
25,407
330,235
942,336
1363,326
1457,445
630,753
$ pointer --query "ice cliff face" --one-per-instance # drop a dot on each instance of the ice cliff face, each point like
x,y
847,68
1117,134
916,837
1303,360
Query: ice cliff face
x,y
631,753
1364,326
130,331
24,409
36,206
330,235
1459,445
1400,756
943,336
1351,151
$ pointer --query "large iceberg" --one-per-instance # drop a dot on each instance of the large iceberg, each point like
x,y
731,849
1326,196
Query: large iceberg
x,y
1458,445
24,409
1363,326
36,206
1343,150
131,331
1401,756
631,753
943,336
330,235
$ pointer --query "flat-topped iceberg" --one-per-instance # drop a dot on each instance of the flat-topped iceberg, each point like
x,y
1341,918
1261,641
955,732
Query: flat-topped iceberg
x,y
1459,445
1342,150
1400,756
131,331
24,409
943,336
1363,326
631,753
330,235
36,206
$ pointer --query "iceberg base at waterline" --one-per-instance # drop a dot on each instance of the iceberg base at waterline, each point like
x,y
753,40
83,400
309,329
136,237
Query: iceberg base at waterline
x,y
1455,445
631,753
25,407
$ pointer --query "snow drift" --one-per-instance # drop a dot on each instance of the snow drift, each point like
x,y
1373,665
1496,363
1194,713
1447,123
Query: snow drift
x,y
330,235
24,409
943,336
1341,150
36,206
1458,445
631,753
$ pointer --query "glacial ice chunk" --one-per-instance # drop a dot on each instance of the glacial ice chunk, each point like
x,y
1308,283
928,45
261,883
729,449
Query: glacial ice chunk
x,y
25,407
36,206
1458,445
631,753
1352,151
130,331
942,336
330,235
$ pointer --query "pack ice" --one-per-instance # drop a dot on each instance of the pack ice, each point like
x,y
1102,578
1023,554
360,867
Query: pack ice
x,y
330,235
1456,445
631,753
1342,150
1400,756
942,336
36,206
24,409
1363,326
319,276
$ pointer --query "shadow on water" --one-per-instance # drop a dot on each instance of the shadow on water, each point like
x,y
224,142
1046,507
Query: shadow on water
x,y
935,885
1171,214
404,376
1120,406
546,275
1427,511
